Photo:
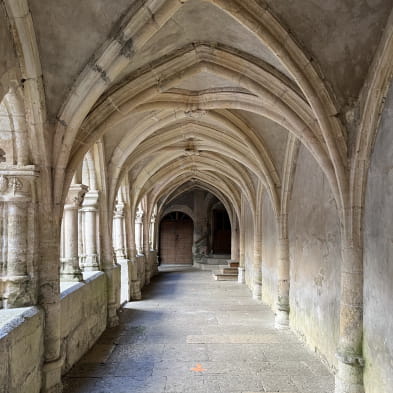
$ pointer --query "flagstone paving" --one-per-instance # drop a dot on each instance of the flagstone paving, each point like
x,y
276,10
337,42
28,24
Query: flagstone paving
x,y
194,334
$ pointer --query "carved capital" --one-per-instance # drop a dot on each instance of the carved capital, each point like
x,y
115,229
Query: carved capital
x,y
75,196
139,216
90,200
16,185
119,210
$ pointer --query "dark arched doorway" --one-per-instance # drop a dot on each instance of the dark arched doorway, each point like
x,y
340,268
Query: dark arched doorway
x,y
176,239
221,232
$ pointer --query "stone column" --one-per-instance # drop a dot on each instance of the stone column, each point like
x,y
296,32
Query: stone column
x,y
235,240
135,290
119,245
135,279
152,244
138,231
257,258
146,248
118,231
349,376
90,212
108,263
282,313
70,270
139,246
200,236
241,277
16,195
81,239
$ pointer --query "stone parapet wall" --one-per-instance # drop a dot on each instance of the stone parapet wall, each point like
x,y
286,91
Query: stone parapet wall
x,y
21,350
83,317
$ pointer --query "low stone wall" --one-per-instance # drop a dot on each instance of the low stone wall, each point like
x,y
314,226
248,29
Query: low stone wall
x,y
21,350
83,317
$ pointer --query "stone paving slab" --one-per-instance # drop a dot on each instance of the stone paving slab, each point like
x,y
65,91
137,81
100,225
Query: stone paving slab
x,y
194,334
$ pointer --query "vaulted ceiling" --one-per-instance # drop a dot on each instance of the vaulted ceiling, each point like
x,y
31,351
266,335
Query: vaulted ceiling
x,y
208,91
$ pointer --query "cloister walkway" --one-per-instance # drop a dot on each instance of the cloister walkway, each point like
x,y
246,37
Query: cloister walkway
x,y
194,334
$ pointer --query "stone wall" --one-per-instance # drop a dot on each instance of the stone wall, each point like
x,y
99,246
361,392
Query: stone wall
x,y
315,258
21,350
83,317
378,260
269,253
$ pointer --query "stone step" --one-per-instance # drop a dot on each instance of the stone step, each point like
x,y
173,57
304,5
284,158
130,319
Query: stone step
x,y
230,270
233,264
220,256
215,261
225,277
205,266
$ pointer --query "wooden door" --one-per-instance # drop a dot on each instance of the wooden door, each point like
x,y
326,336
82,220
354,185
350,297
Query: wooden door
x,y
176,238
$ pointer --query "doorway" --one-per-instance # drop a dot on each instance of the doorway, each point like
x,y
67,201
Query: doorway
x,y
221,232
176,239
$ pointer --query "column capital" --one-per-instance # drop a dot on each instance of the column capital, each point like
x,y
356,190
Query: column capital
x,y
16,182
119,210
90,200
75,196
139,216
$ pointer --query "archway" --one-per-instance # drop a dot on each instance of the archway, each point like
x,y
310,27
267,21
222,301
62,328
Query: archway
x,y
176,239
221,231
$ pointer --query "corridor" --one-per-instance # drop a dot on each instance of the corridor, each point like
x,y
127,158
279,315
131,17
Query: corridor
x,y
194,334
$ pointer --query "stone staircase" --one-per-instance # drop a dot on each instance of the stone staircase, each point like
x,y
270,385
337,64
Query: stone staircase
x,y
227,273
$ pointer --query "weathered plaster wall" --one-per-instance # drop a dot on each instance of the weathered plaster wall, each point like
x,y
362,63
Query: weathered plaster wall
x,y
269,253
21,350
248,244
378,260
83,317
341,35
315,258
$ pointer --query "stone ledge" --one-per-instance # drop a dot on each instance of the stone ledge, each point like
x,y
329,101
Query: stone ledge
x,y
66,288
12,318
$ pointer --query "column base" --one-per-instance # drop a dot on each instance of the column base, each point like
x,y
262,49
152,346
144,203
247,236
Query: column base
x,y
257,291
147,277
349,376
91,263
113,317
136,291
69,271
241,278
71,277
282,319
18,292
51,377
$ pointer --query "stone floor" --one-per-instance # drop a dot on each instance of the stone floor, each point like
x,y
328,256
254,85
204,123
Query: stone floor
x,y
193,334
